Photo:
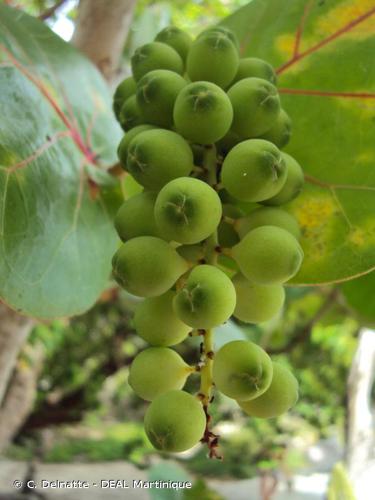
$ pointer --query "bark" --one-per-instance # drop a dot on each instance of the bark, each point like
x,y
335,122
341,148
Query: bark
x,y
360,453
20,395
14,330
101,31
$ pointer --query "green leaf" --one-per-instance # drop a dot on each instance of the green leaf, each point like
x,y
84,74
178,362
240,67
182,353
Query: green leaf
x,y
324,55
360,296
56,129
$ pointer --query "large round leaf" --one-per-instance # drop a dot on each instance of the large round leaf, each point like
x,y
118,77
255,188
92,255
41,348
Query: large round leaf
x,y
57,134
324,55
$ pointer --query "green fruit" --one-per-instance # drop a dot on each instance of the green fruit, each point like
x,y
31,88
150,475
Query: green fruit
x,y
280,131
122,150
147,266
155,157
192,253
268,255
254,170
256,105
207,299
157,370
242,370
214,58
202,112
157,323
179,40
281,395
250,67
187,210
268,216
226,232
175,421
156,95
135,217
155,55
256,303
130,114
293,184
123,91
223,31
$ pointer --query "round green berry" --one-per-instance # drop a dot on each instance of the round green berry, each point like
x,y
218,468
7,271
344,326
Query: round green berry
x,y
122,150
207,299
135,217
147,266
130,114
256,303
155,157
227,233
293,184
187,210
155,55
202,112
256,105
157,370
156,95
175,421
281,395
213,58
123,91
268,255
268,216
281,130
179,40
254,170
242,370
252,67
157,323
223,31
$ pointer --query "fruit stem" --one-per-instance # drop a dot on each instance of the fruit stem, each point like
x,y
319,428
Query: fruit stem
x,y
206,370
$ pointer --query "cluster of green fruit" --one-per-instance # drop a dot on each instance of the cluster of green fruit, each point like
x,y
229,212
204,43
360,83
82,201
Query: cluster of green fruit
x,y
204,130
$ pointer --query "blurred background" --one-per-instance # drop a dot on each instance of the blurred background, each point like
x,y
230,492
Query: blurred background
x,y
71,414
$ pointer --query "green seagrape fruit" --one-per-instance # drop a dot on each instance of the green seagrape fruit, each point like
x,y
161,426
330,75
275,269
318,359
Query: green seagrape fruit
x,y
155,157
268,255
293,184
147,266
122,150
254,170
281,130
256,105
226,232
157,323
179,40
192,253
135,217
214,58
187,210
155,55
268,216
157,370
207,299
175,421
242,370
202,112
226,143
223,31
253,67
156,95
123,91
281,395
130,114
256,303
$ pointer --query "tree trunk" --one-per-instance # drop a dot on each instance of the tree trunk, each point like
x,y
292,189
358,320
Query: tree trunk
x,y
101,31
360,453
14,330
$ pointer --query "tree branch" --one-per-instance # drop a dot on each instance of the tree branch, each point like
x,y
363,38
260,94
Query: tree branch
x,y
101,30
304,332
49,12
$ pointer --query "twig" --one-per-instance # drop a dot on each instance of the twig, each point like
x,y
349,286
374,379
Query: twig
x,y
49,12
